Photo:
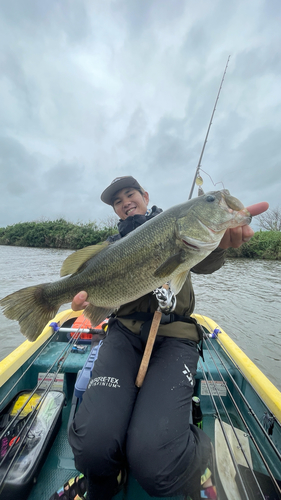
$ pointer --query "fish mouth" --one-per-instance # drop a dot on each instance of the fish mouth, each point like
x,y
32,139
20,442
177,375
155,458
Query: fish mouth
x,y
191,245
230,203
234,206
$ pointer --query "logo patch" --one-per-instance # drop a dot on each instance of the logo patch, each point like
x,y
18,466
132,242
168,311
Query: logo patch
x,y
188,374
104,381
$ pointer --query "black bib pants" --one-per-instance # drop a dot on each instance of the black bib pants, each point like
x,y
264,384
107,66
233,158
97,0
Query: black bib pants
x,y
147,430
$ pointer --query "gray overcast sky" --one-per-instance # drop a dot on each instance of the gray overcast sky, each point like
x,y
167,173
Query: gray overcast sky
x,y
91,90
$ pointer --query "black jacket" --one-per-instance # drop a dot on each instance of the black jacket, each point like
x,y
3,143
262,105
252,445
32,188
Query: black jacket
x,y
131,223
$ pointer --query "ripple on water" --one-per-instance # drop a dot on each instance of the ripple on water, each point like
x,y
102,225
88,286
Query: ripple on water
x,y
243,297
20,267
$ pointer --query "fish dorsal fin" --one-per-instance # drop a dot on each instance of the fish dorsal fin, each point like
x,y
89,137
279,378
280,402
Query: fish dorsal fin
x,y
74,261
178,281
169,266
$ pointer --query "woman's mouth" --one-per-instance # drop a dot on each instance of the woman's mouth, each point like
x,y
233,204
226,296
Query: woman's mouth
x,y
128,212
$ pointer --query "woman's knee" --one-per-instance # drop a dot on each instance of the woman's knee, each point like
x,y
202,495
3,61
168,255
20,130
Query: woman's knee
x,y
95,451
144,463
163,466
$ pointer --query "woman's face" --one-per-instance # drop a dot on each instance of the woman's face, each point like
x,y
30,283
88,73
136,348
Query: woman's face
x,y
129,201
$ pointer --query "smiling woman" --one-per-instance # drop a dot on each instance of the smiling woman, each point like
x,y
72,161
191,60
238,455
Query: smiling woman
x,y
129,202
126,196
112,91
123,276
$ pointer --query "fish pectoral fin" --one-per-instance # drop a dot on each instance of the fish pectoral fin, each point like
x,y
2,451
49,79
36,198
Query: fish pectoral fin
x,y
97,314
76,260
178,281
170,265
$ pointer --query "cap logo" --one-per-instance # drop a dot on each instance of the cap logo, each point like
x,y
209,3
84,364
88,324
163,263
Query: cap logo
x,y
117,179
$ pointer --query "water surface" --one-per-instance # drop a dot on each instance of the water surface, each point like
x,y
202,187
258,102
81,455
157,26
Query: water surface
x,y
243,297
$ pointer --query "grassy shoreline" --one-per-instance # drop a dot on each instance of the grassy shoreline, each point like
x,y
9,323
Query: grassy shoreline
x,y
263,245
63,234
55,234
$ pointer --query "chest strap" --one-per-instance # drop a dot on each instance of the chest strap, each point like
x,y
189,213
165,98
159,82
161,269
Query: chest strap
x,y
169,318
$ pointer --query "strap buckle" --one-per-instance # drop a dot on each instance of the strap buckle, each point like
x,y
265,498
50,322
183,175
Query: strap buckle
x,y
167,318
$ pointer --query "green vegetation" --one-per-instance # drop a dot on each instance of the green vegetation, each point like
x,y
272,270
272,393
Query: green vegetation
x,y
55,234
263,245
63,234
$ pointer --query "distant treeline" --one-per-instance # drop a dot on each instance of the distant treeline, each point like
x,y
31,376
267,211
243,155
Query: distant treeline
x,y
63,234
54,234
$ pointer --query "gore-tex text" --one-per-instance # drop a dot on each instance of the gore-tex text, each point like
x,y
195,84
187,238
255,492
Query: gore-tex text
x,y
105,381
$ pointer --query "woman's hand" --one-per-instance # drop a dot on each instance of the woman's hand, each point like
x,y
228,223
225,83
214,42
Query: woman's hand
x,y
80,301
236,236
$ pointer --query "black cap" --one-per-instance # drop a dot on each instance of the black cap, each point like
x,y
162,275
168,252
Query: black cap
x,y
116,185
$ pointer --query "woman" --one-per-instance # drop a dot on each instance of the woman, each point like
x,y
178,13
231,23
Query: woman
x,y
147,430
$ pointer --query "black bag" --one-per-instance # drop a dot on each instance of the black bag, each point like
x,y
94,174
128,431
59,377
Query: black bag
x,y
27,439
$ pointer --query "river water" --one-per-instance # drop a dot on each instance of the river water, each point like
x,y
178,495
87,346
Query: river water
x,y
243,297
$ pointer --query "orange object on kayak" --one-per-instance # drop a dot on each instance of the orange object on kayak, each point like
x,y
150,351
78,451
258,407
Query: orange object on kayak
x,y
82,322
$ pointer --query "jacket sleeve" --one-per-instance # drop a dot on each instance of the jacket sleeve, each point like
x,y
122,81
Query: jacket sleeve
x,y
210,264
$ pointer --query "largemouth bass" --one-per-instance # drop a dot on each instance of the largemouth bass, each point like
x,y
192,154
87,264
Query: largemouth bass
x,y
162,250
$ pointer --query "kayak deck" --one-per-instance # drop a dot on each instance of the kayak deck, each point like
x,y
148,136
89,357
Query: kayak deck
x,y
59,466
225,395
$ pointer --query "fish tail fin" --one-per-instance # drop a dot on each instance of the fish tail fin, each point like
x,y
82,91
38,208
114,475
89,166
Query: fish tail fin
x,y
30,307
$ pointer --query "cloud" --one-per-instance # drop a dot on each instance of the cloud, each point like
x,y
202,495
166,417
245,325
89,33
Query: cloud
x,y
91,91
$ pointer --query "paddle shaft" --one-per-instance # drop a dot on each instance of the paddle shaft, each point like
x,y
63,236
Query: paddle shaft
x,y
148,348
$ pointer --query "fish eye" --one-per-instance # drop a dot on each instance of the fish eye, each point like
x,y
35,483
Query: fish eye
x,y
210,198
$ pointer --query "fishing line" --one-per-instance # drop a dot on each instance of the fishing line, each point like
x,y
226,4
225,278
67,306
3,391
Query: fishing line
x,y
214,183
232,426
30,419
33,391
245,423
223,405
61,356
29,366
238,411
45,345
32,415
251,411
217,413
59,361
26,428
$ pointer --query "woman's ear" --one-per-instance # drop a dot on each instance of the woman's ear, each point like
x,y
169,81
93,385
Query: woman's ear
x,y
146,197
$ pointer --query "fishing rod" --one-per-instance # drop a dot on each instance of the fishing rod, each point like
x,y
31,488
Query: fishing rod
x,y
209,380
207,134
19,441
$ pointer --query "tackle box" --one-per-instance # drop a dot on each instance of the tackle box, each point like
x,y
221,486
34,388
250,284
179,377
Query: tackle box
x,y
27,436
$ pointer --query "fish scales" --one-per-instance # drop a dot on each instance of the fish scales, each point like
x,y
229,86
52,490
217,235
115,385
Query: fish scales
x,y
138,259
109,284
162,250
